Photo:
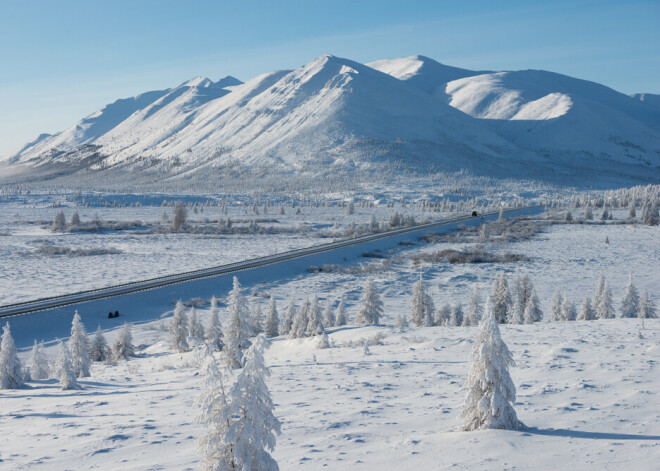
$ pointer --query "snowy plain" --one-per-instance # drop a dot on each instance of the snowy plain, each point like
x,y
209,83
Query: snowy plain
x,y
588,391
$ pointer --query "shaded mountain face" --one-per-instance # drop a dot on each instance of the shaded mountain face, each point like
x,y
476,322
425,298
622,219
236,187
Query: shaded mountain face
x,y
335,115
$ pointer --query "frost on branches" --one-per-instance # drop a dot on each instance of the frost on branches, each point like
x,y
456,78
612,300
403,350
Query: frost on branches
x,y
241,425
78,346
491,393
423,310
272,319
630,301
371,308
39,367
213,334
65,372
179,329
123,346
11,370
236,330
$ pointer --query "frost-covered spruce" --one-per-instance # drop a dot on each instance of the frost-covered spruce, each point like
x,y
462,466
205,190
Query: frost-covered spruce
x,y
371,308
605,307
532,312
556,311
241,425
473,312
423,310
213,333
271,328
299,324
328,316
99,349
586,311
39,367
490,390
237,331
401,321
630,301
11,370
457,315
341,317
287,320
179,329
64,368
647,307
443,317
315,320
516,314
322,341
79,348
123,346
195,328
501,299
568,311
255,320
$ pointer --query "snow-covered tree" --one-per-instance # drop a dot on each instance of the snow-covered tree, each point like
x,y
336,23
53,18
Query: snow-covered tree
x,y
340,314
287,320
586,311
457,315
64,369
444,315
490,390
328,316
501,299
604,307
39,367
371,308
237,331
322,340
532,312
423,309
59,224
557,301
123,346
241,425
11,370
255,320
99,349
630,301
178,329
650,214
300,320
180,216
516,314
473,313
213,333
401,321
568,311
647,307
75,219
79,348
195,328
272,319
314,321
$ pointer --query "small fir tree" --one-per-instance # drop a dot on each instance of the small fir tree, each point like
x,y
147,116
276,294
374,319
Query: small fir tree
x,y
123,346
195,329
179,329
79,348
256,319
328,316
517,315
556,314
99,349
444,315
299,325
423,310
371,308
401,321
322,341
39,367
473,313
236,332
532,312
340,314
287,320
315,321
501,299
11,370
65,371
568,311
457,315
272,319
490,390
586,311
630,301
213,333
647,307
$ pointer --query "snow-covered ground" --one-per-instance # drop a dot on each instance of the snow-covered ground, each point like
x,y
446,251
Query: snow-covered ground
x,y
588,391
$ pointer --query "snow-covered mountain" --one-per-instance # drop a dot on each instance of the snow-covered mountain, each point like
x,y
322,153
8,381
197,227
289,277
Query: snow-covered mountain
x,y
334,115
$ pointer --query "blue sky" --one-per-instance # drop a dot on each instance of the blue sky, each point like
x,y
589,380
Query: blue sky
x,y
62,60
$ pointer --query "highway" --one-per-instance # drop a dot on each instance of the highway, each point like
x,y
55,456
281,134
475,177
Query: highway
x,y
54,302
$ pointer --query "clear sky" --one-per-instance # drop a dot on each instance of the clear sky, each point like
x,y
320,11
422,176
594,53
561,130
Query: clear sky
x,y
62,60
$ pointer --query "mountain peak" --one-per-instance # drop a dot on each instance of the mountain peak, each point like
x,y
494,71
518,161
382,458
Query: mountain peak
x,y
199,81
228,81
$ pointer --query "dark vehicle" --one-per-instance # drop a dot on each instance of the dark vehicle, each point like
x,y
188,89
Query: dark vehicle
x,y
474,214
116,313
110,316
